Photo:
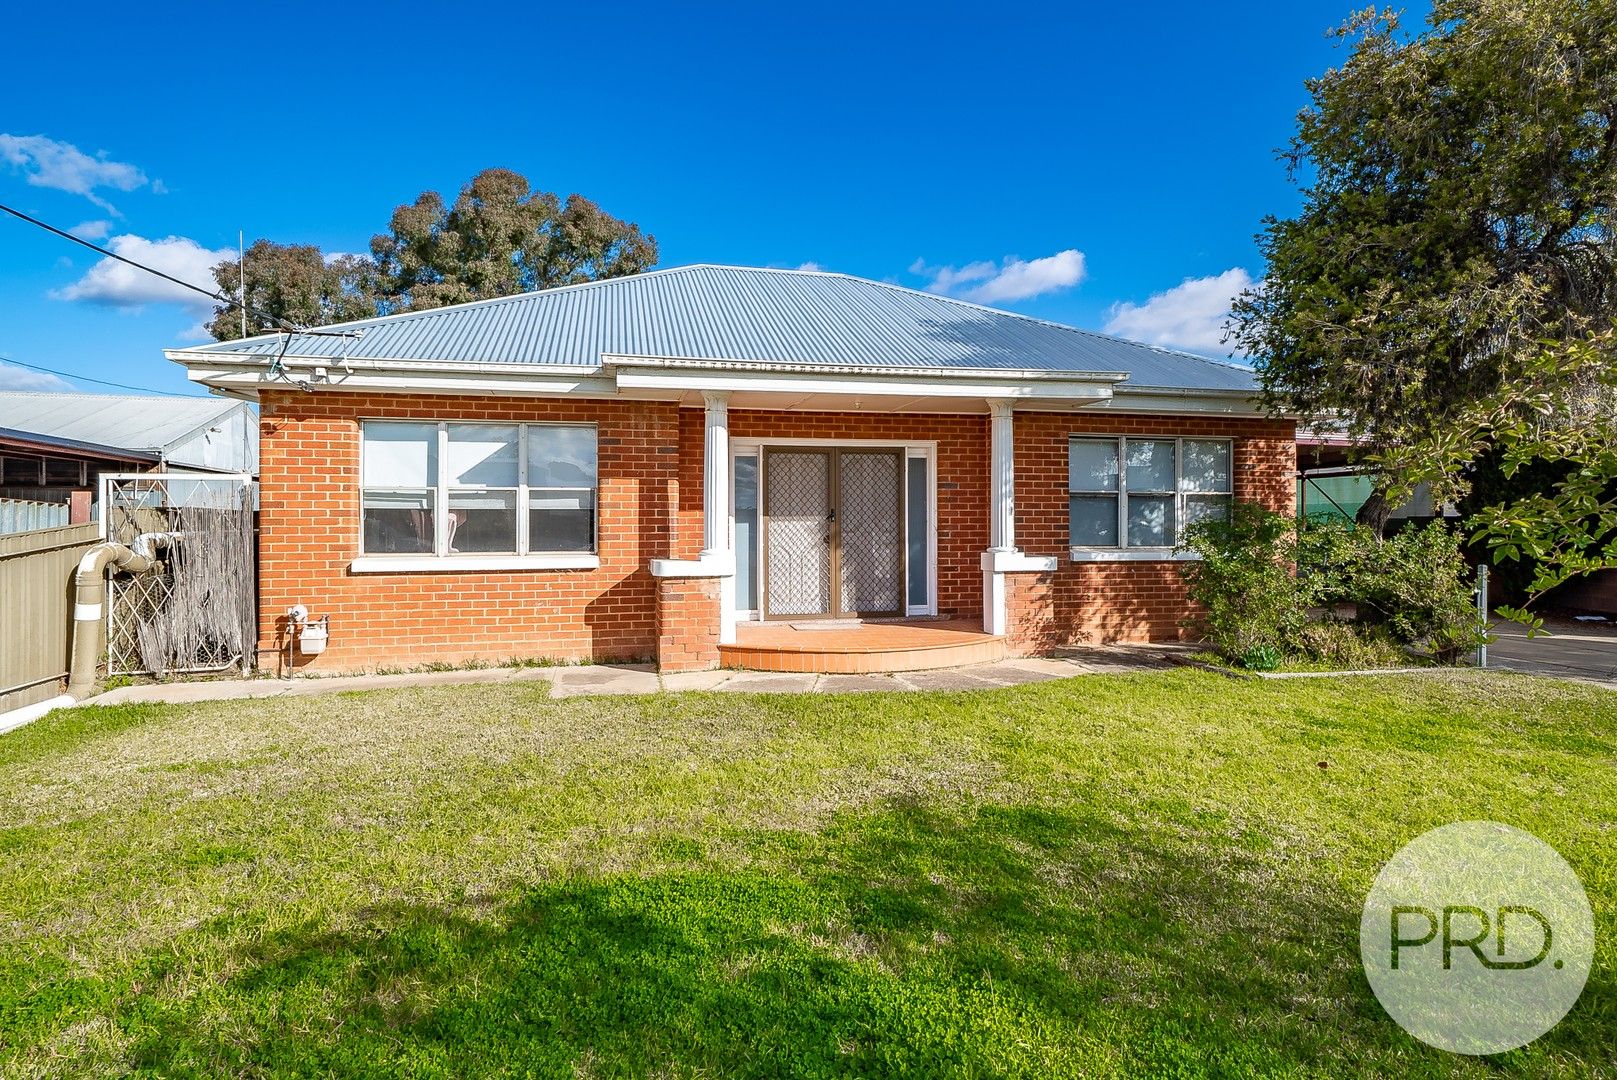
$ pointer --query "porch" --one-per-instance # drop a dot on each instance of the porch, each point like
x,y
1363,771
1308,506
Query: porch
x,y
855,647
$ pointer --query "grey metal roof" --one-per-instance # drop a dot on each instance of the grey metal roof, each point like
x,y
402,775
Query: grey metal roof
x,y
145,424
748,314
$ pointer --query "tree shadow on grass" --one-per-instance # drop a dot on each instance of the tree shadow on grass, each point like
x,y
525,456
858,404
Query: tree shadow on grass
x,y
910,941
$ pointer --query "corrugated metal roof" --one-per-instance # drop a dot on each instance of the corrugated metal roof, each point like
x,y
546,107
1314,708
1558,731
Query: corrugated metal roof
x,y
749,314
147,424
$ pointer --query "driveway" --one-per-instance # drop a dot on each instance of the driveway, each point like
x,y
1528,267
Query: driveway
x,y
1571,649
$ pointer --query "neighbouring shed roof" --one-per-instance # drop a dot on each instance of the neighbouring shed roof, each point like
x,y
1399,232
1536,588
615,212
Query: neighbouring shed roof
x,y
745,314
146,424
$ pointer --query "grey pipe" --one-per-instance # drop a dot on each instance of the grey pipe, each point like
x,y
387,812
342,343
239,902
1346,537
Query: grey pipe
x,y
90,602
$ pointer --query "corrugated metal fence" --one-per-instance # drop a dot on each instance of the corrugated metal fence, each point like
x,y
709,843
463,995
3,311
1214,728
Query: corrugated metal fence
x,y
26,515
36,599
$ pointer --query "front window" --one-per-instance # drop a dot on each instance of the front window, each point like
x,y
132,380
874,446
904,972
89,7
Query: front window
x,y
1142,493
511,489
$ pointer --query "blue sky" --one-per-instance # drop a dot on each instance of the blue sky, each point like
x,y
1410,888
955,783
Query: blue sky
x,y
1102,166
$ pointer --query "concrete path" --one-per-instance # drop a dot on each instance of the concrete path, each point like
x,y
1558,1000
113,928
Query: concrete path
x,y
643,679
1571,650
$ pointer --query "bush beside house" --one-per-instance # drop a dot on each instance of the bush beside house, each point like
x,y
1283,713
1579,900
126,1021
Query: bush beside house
x,y
1272,591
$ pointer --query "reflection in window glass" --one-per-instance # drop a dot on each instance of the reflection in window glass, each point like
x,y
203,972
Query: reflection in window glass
x,y
1092,465
482,455
561,520
1092,520
1150,465
482,522
746,533
919,515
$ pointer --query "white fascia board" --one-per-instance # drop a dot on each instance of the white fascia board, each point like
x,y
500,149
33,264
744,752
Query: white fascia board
x,y
1230,402
257,378
804,383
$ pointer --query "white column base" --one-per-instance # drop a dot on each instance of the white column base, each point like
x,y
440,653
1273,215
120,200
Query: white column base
x,y
996,564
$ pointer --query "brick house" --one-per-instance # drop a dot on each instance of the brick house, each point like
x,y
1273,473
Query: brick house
x,y
703,465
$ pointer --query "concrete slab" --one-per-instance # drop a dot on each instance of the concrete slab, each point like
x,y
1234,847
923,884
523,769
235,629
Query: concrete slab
x,y
949,679
603,679
696,680
856,684
769,682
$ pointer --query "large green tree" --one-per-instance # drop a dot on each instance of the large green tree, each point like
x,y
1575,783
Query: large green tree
x,y
1459,190
297,285
1448,289
497,238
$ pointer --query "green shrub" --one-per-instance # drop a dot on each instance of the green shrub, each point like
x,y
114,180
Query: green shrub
x,y
1269,591
1252,604
1416,585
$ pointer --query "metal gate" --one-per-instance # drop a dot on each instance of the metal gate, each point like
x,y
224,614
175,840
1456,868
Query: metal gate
x,y
198,611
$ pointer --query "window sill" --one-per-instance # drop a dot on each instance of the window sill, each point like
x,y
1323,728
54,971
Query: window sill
x,y
406,564
1132,555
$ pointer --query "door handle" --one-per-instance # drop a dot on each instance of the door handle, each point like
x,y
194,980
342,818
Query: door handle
x,y
831,515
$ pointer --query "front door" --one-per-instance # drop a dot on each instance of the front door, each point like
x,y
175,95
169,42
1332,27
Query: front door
x,y
833,533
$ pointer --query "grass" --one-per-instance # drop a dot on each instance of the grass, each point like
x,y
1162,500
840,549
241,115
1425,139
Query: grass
x,y
1114,875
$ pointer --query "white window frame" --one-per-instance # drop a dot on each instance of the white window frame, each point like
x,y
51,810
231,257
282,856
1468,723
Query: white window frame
x,y
441,559
1123,551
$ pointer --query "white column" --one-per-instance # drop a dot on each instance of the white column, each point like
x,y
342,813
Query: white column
x,y
716,506
1002,478
716,475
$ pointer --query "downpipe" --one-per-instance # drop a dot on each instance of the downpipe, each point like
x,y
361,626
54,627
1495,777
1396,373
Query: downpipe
x,y
90,602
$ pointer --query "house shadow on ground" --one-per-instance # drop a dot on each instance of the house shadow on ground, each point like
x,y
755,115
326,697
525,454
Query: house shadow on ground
x,y
908,941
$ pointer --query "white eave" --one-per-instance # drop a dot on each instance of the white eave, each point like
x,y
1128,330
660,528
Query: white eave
x,y
753,384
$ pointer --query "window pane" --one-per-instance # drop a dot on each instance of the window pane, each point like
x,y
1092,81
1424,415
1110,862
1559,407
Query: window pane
x,y
561,521
561,456
1207,465
1092,465
1151,521
919,518
482,521
1150,465
482,455
401,455
746,534
1092,520
397,521
1206,508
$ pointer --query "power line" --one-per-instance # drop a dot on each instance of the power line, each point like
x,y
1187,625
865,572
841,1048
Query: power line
x,y
83,378
218,297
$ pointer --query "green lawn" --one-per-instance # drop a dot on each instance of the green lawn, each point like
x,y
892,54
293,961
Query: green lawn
x,y
1115,875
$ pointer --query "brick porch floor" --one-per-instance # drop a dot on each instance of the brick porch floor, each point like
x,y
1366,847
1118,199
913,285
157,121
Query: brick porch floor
x,y
914,645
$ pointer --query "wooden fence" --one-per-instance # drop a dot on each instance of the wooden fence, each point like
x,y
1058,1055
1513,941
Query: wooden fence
x,y
36,608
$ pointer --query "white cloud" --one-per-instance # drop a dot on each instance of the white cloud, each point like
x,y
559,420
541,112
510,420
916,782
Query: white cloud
x,y
1012,279
1191,315
91,230
13,377
811,266
117,284
48,163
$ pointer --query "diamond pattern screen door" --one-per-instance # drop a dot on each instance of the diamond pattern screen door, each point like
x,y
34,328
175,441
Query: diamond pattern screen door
x,y
833,533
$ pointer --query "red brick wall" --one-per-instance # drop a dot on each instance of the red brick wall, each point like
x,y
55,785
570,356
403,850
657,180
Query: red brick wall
x,y
687,624
309,533
1120,601
962,510
651,507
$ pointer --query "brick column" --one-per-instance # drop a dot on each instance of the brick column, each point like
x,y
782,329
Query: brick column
x,y
687,623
